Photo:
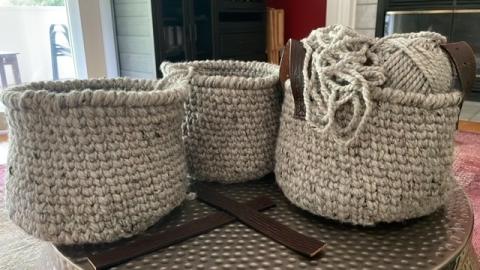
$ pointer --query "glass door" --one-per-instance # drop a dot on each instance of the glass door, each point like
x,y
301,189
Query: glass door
x,y
35,45
201,29
466,27
439,21
35,42
174,26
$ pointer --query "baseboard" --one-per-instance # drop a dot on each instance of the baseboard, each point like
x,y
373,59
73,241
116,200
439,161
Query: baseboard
x,y
469,126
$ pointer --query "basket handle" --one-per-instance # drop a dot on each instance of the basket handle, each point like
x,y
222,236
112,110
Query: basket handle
x,y
174,76
291,67
463,59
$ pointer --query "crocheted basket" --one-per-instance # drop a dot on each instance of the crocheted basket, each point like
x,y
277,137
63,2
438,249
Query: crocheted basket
x,y
94,160
375,142
232,118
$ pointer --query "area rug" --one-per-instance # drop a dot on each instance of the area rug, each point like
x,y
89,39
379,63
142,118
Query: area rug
x,y
16,246
467,172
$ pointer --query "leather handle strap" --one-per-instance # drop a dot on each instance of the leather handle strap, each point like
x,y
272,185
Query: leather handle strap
x,y
269,227
463,59
291,67
150,243
292,62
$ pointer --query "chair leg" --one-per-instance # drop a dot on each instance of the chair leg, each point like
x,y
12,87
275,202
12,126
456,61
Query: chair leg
x,y
3,76
16,71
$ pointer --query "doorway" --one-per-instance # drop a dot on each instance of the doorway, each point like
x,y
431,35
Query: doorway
x,y
35,45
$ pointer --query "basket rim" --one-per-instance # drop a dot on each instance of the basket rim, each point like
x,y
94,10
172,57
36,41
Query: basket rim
x,y
394,96
431,101
234,82
118,92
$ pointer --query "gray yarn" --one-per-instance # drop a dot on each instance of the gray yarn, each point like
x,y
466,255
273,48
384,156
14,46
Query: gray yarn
x,y
387,159
335,75
94,160
232,118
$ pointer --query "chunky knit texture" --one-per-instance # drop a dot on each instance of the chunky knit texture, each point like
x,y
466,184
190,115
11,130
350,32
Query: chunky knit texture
x,y
232,118
377,142
94,160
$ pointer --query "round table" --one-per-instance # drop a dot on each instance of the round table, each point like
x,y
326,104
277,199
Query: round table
x,y
438,241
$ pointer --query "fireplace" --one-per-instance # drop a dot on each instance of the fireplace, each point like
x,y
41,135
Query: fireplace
x,y
456,19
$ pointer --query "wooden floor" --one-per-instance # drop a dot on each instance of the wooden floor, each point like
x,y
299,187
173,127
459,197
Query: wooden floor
x,y
469,126
3,135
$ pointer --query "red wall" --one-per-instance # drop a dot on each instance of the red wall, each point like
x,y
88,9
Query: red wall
x,y
301,16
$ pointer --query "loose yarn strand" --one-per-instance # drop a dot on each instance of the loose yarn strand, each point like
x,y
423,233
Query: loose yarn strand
x,y
336,73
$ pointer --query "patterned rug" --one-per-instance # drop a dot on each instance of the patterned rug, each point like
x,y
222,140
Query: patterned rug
x,y
467,171
16,246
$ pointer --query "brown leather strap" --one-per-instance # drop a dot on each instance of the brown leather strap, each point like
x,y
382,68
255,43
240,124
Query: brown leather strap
x,y
291,67
147,244
269,227
463,58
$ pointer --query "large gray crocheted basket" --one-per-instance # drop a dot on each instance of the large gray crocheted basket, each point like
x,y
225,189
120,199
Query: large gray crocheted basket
x,y
232,118
377,142
94,160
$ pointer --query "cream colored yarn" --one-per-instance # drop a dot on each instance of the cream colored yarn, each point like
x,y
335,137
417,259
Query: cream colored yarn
x,y
94,160
377,142
232,118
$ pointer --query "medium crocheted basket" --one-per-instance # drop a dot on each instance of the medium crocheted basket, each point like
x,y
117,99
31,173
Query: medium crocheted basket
x,y
376,144
232,118
94,160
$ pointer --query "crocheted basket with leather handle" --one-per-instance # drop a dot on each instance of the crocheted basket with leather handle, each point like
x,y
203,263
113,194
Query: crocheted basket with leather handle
x,y
232,118
94,160
367,125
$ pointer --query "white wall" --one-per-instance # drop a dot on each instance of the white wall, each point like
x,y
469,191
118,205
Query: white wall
x,y
26,30
366,15
134,31
341,12
93,38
